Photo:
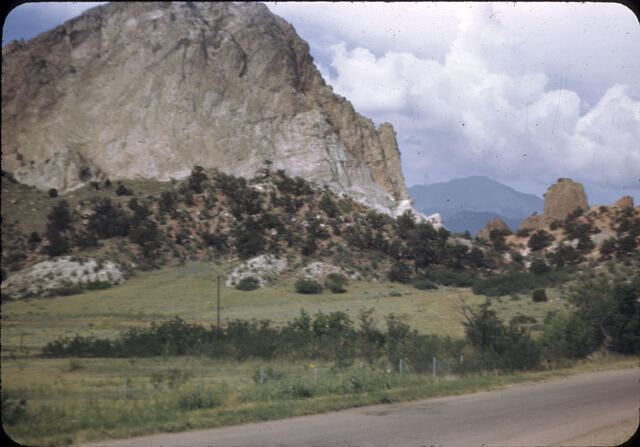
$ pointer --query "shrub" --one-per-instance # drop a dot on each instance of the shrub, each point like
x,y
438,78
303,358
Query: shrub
x,y
196,179
59,219
58,245
34,238
123,190
305,285
248,283
517,282
539,295
249,239
215,240
555,224
98,285
108,220
328,206
539,267
67,290
13,412
608,247
399,272
336,282
447,277
539,240
423,284
53,192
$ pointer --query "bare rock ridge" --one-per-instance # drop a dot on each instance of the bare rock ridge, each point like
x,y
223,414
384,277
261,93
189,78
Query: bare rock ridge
x,y
560,200
148,90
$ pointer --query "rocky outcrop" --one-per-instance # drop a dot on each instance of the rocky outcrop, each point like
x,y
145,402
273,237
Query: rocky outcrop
x,y
48,278
624,202
560,200
151,89
563,198
319,271
494,224
262,268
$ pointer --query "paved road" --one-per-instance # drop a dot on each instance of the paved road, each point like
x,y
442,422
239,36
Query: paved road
x,y
588,409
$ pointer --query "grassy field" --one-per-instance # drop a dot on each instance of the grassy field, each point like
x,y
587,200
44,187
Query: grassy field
x,y
75,400
189,291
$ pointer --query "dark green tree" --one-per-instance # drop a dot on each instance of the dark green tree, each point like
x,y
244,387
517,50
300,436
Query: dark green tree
x,y
539,240
196,179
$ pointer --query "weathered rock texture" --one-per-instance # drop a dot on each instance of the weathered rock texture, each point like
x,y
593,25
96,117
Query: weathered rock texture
x,y
560,200
494,224
151,89
262,268
624,202
46,277
563,198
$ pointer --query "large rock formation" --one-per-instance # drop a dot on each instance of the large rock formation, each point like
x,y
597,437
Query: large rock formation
x,y
151,89
624,202
563,198
560,200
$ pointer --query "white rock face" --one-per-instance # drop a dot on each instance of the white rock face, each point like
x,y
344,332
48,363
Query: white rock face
x,y
319,270
148,90
261,267
41,279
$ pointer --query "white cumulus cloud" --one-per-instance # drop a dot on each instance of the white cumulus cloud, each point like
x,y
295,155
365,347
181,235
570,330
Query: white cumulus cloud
x,y
477,111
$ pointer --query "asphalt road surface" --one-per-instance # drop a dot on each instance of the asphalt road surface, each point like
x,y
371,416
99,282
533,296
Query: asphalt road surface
x,y
587,409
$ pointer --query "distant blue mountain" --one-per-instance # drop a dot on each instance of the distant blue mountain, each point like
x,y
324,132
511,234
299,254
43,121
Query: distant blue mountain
x,y
467,204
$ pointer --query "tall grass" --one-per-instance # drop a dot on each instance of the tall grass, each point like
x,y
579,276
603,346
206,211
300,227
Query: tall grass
x,y
64,406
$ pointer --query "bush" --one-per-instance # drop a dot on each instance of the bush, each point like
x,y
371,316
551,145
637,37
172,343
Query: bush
x,y
336,282
58,245
67,290
34,238
249,239
539,240
328,206
539,295
98,285
400,272
447,277
196,179
248,283
304,285
423,284
53,193
123,190
539,267
517,282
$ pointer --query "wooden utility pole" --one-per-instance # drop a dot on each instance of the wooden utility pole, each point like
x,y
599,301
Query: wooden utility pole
x,y
218,314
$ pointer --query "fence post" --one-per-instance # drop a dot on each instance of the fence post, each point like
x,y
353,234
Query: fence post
x,y
125,391
400,365
261,374
315,371
461,359
434,366
361,365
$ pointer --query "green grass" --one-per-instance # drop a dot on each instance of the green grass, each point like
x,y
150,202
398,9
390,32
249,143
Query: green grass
x,y
79,400
76,400
189,291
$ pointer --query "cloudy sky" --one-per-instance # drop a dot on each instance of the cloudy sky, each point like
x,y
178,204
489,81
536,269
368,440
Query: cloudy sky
x,y
524,93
